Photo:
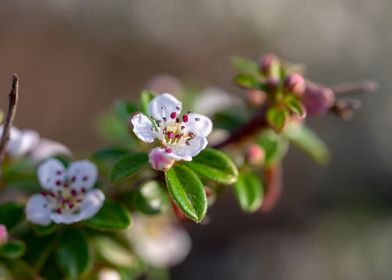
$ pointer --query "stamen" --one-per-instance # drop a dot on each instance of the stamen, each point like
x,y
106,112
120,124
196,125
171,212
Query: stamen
x,y
178,108
173,115
197,119
185,118
170,134
168,150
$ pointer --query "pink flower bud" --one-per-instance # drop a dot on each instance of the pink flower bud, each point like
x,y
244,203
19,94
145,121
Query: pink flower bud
x,y
255,155
272,84
317,99
266,63
3,234
159,159
295,83
256,97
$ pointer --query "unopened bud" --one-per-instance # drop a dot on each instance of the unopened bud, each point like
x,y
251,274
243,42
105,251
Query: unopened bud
x,y
317,99
255,155
267,62
295,83
272,84
159,160
256,97
3,234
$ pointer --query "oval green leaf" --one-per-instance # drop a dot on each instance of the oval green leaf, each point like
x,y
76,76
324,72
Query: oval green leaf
x,y
277,118
112,216
249,191
128,166
13,249
214,165
73,254
274,145
11,214
187,191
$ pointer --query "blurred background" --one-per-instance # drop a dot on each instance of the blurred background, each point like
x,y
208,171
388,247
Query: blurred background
x,y
74,58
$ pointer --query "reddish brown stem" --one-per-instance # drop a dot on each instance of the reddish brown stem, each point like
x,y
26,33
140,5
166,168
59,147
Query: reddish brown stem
x,y
274,186
12,104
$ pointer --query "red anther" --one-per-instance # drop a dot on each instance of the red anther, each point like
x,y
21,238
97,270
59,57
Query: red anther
x,y
59,172
168,150
178,136
74,192
58,210
85,178
173,115
83,190
71,205
73,179
185,118
58,183
170,134
44,193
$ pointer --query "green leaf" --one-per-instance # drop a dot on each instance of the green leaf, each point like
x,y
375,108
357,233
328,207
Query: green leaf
x,y
38,249
45,230
74,254
128,166
117,255
13,249
110,153
249,191
277,118
246,81
214,165
230,118
308,141
112,216
151,199
19,269
187,191
124,108
295,105
145,97
244,65
274,145
11,214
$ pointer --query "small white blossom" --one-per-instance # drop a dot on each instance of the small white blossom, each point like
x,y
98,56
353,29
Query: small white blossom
x,y
181,136
67,195
21,141
158,241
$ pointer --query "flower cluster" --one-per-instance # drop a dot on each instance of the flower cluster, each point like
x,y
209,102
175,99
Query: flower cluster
x,y
181,137
67,195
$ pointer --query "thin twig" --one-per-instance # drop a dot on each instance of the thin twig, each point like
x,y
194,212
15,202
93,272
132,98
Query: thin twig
x,y
12,104
348,87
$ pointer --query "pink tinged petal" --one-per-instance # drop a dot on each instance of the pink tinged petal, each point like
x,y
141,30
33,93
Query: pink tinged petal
x,y
82,175
159,159
3,234
162,106
51,174
92,203
199,125
186,152
143,128
47,148
36,212
66,218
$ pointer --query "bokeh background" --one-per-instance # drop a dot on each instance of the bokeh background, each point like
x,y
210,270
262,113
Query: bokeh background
x,y
335,222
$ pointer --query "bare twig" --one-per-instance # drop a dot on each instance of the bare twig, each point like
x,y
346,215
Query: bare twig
x,y
348,87
12,103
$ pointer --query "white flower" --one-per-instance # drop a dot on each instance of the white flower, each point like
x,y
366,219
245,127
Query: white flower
x,y
47,148
182,137
21,141
67,195
158,241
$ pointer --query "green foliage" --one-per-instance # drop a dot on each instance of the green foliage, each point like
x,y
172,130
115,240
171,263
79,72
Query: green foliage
x,y
215,165
45,230
74,255
230,119
274,145
13,249
128,166
11,214
294,104
112,216
308,141
277,118
249,191
150,198
246,81
244,65
187,191
145,97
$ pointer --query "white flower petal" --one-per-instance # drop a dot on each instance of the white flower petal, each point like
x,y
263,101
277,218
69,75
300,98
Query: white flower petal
x,y
186,152
163,105
66,218
142,127
22,142
92,203
82,174
36,212
51,174
47,148
199,125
